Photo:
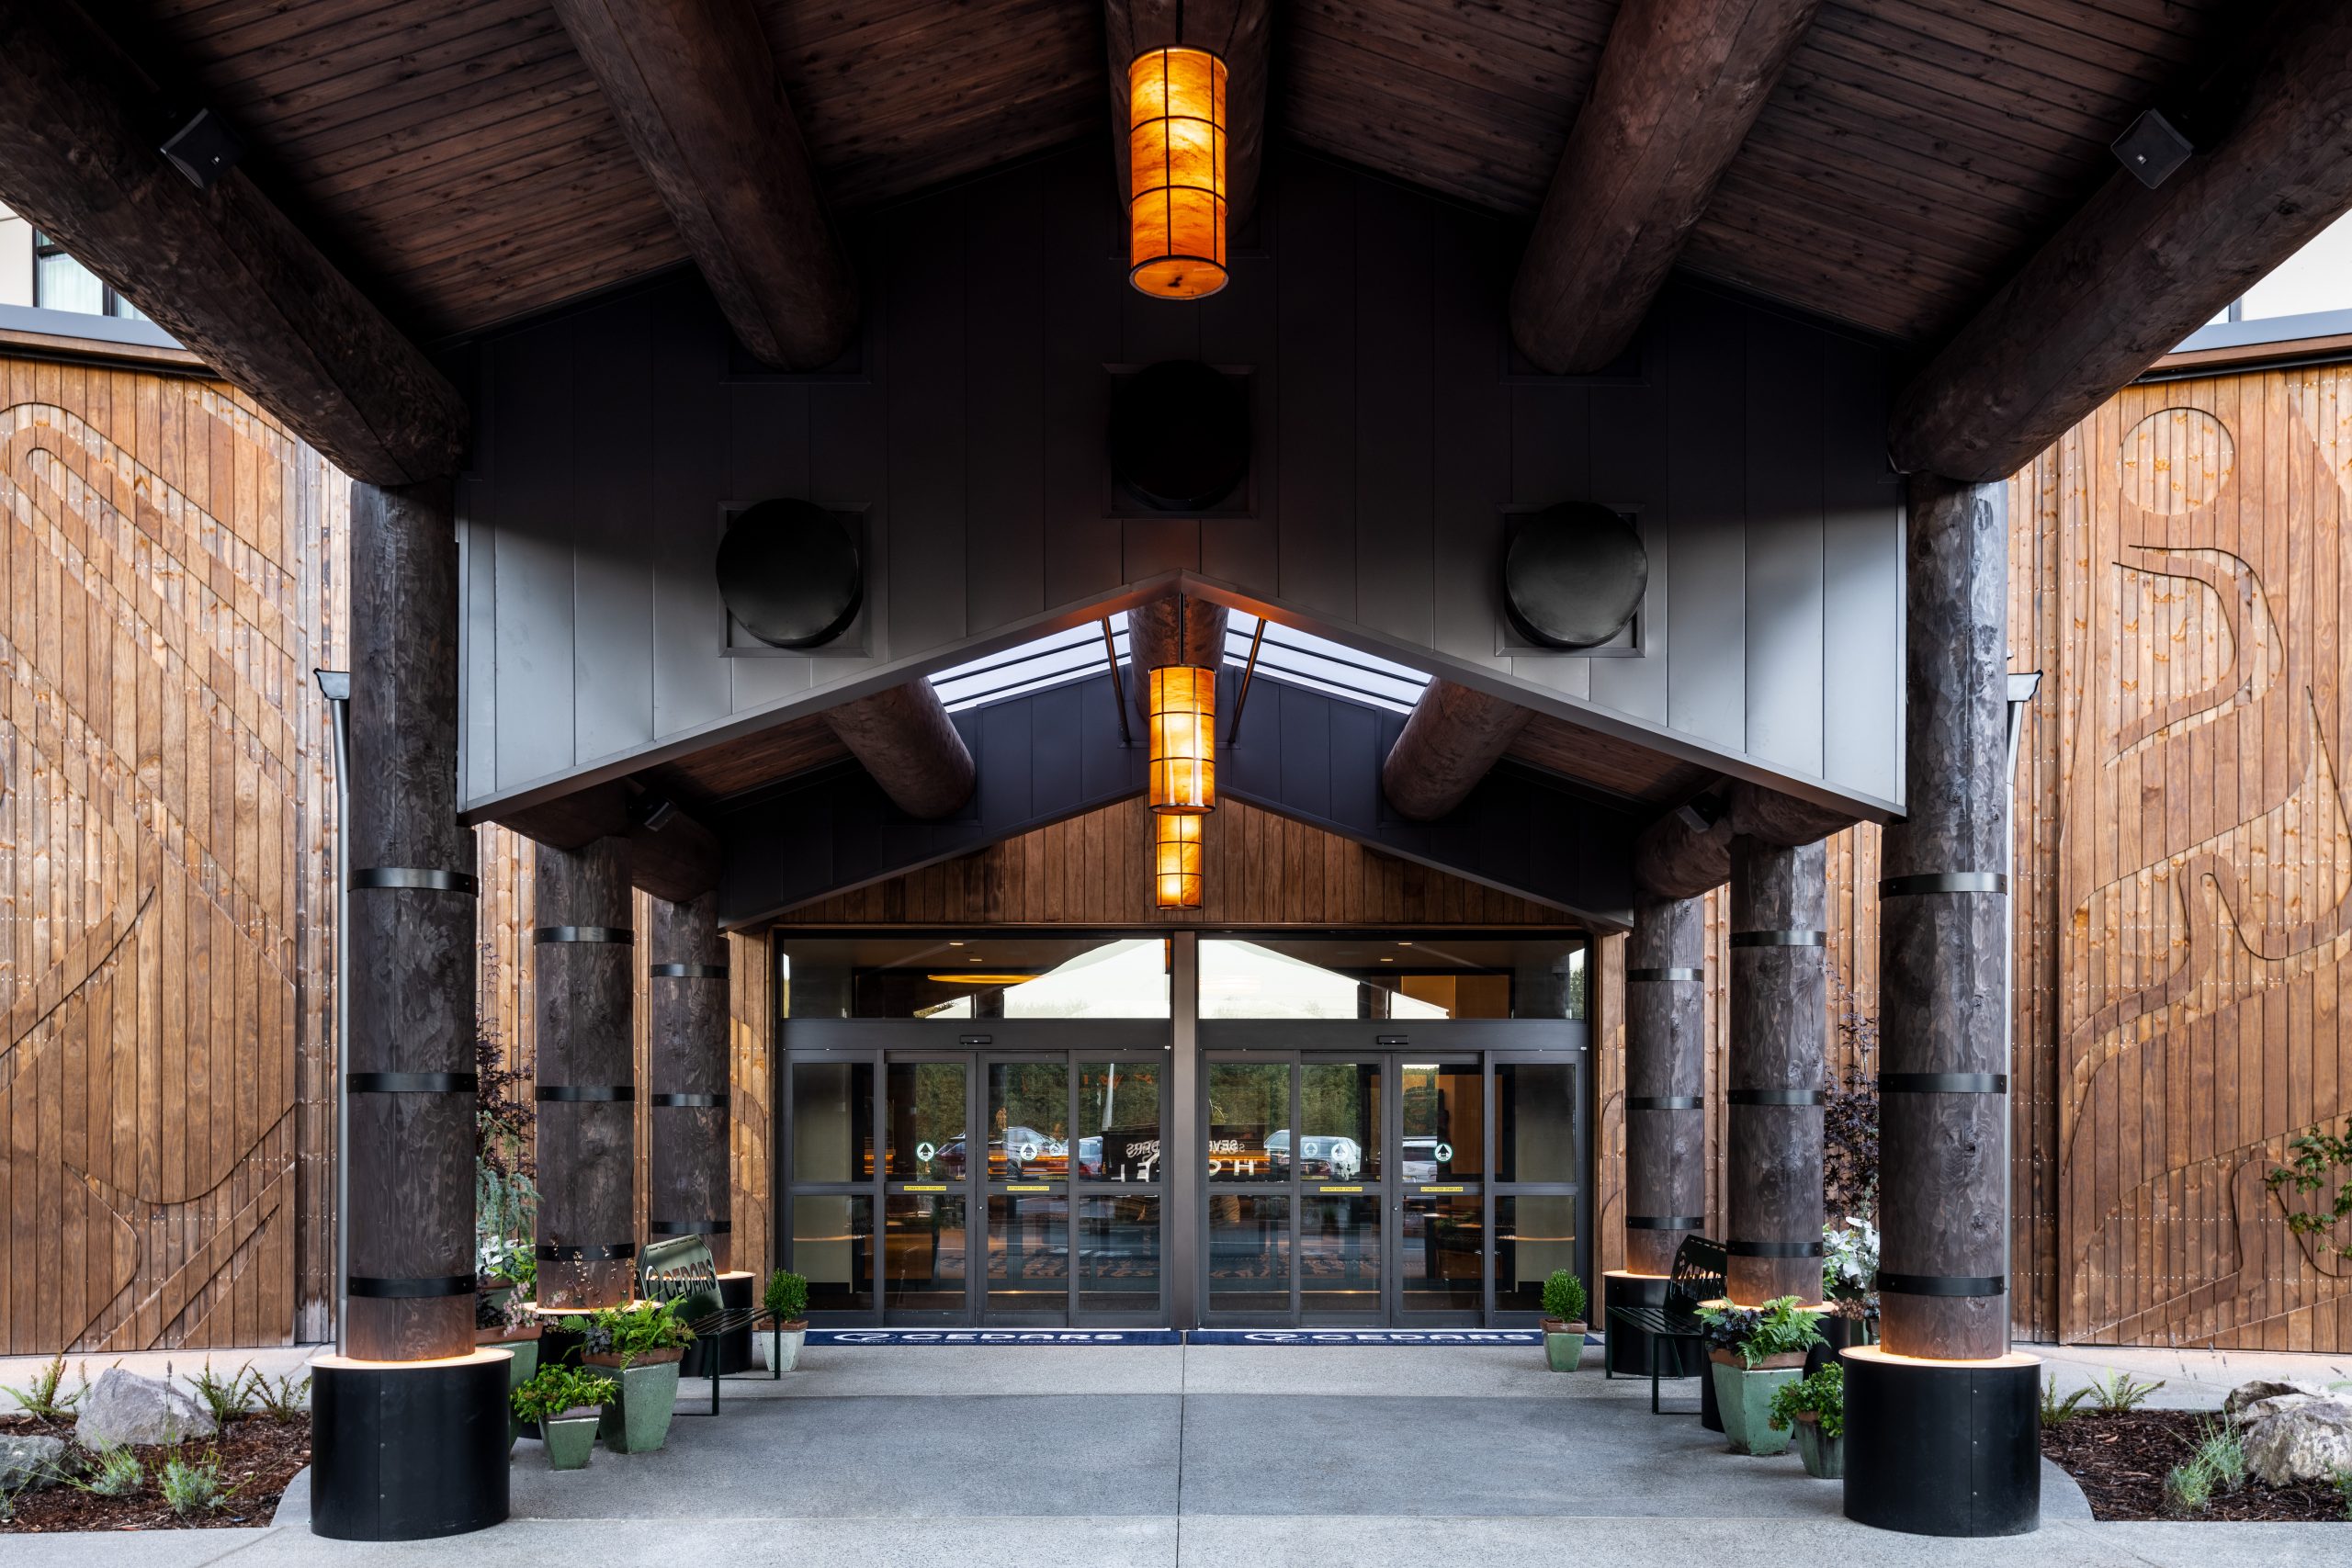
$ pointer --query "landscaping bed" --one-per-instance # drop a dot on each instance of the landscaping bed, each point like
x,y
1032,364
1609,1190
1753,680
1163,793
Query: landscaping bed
x,y
258,1457
2120,1459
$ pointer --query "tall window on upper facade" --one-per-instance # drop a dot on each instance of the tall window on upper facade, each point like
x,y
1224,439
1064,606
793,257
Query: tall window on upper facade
x,y
61,283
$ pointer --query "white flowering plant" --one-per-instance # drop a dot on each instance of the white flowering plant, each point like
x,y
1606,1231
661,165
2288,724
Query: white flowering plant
x,y
1850,1263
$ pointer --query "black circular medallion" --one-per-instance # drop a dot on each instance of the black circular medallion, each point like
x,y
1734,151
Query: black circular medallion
x,y
789,572
1574,575
1180,435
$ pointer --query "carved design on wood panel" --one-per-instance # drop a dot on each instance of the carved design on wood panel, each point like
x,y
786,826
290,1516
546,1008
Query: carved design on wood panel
x,y
162,599
2205,859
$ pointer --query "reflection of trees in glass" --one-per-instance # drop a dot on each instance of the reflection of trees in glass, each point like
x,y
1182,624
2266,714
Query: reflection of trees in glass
x,y
1124,1095
1337,1099
1029,1094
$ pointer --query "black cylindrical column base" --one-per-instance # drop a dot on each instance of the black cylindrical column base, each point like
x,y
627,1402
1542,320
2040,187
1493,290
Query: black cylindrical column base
x,y
408,1450
1942,1448
1629,1351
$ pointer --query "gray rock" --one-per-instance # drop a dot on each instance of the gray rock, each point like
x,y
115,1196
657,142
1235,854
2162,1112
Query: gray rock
x,y
29,1463
2292,1431
123,1408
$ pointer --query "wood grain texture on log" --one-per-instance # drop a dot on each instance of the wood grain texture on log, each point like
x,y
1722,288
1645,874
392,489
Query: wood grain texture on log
x,y
412,972
2134,271
1163,633
587,1148
1685,852
1238,32
687,1026
1679,86
1782,819
1666,1056
1451,739
1780,1022
222,270
906,740
678,861
1943,982
694,85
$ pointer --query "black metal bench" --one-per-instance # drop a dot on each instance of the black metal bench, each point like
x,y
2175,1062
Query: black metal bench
x,y
1697,1276
681,1270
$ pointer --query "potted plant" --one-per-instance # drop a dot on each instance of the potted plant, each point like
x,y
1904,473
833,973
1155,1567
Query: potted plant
x,y
568,1404
1848,1279
1816,1407
642,1342
786,1298
1563,1324
505,1321
1755,1350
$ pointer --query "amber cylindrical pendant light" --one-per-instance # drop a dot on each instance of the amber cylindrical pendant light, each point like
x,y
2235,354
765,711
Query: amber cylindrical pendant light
x,y
1183,738
1176,169
1176,859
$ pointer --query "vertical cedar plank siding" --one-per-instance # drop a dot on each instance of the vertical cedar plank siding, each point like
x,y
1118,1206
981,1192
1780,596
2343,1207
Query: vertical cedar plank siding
x,y
170,580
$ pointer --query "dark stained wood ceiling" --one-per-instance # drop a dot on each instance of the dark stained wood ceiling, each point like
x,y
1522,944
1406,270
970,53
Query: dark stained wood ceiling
x,y
457,157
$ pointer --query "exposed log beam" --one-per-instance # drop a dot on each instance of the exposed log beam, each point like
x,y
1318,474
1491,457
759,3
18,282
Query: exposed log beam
x,y
1174,630
694,85
1679,84
2135,270
1451,739
1689,850
1236,31
911,746
222,270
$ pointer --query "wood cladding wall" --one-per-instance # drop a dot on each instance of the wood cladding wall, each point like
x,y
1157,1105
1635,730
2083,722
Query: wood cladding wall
x,y
165,870
1393,437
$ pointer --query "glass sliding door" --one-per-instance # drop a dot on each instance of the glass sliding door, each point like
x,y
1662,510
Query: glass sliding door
x,y
1539,1165
1116,1178
1442,1163
1342,1145
927,1214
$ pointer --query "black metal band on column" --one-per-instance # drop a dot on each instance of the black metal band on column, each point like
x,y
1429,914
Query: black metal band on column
x,y
689,1227
585,1094
688,971
1776,1097
1662,976
691,1101
380,1288
1944,1284
1772,1249
1666,1102
620,935
1665,1222
1925,881
417,879
1780,938
411,1083
1943,1083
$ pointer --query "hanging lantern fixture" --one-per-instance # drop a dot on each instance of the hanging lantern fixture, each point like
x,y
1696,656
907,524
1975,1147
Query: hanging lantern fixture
x,y
1176,174
1184,739
1176,859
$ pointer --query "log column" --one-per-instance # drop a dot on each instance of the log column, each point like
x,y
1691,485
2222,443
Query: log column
x,y
587,1144
686,1008
1942,1433
410,1069
1943,991
1779,1027
1666,1075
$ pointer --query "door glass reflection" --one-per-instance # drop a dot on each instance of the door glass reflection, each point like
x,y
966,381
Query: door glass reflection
x,y
1249,1122
1118,1253
926,1122
1339,1105
1533,1236
832,1121
1440,1255
1444,1139
1118,1122
1338,1258
1248,1253
833,1245
1028,1266
1535,1121
1028,1120
924,1248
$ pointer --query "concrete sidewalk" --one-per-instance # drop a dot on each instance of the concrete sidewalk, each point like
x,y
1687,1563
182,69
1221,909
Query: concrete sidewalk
x,y
1221,1455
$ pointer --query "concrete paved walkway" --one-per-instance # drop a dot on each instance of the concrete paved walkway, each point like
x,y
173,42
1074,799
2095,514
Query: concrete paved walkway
x,y
1223,1455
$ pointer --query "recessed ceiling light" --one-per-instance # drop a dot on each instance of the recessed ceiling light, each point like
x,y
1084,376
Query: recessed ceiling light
x,y
953,944
971,961
1388,961
1404,944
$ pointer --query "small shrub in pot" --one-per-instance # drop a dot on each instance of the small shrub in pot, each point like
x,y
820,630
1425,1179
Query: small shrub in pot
x,y
1564,1326
1815,1407
567,1403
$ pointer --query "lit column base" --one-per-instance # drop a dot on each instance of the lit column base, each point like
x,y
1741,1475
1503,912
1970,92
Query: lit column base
x,y
1942,1448
408,1450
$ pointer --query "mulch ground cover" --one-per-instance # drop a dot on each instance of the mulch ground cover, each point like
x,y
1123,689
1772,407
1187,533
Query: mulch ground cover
x,y
2120,1460
258,1457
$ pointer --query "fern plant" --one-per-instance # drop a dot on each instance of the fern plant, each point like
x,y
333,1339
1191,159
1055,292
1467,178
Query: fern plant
x,y
224,1397
2057,1412
2120,1391
44,1401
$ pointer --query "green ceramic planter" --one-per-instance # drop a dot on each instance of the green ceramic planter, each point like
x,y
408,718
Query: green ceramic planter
x,y
525,1362
1745,1396
570,1441
639,1422
1825,1458
1562,1345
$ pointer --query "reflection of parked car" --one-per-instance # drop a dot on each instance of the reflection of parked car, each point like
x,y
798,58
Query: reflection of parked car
x,y
1421,1162
1021,1151
1321,1158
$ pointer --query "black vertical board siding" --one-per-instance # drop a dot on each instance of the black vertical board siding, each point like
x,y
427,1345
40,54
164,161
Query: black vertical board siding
x,y
1005,372
1706,649
689,432
1470,437
1315,503
1629,469
1237,332
1394,536
613,665
1783,446
924,268
1081,261
533,549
